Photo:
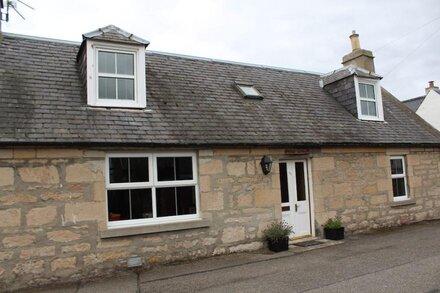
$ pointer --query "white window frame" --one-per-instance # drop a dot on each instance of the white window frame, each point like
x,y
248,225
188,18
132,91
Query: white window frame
x,y
397,176
138,52
152,183
378,99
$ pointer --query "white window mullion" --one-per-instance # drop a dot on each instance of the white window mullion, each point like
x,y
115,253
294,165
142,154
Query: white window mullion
x,y
175,200
153,176
129,203
153,202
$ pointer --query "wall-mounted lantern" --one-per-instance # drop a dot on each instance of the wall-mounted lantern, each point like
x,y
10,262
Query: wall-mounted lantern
x,y
266,164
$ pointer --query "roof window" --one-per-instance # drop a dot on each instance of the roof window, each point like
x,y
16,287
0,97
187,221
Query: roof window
x,y
248,91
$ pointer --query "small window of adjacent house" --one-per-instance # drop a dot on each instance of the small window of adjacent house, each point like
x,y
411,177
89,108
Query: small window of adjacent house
x,y
398,175
150,188
249,91
116,75
369,100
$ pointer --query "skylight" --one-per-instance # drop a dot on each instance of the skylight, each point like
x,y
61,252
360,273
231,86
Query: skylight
x,y
249,91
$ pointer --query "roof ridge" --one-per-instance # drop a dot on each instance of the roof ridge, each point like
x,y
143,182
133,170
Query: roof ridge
x,y
178,55
199,58
413,99
37,38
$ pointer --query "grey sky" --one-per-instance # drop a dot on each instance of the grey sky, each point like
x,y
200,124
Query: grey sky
x,y
307,35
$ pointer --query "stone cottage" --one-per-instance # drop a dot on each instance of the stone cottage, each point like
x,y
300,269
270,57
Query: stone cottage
x,y
113,156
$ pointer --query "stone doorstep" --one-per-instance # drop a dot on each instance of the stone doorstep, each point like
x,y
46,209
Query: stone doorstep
x,y
325,243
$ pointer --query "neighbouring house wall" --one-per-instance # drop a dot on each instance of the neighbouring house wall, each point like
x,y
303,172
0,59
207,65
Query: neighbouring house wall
x,y
53,206
429,109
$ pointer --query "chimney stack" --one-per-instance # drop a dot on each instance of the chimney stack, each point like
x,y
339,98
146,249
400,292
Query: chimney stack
x,y
358,57
431,86
355,44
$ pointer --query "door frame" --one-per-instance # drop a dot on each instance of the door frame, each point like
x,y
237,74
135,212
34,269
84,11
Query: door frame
x,y
308,165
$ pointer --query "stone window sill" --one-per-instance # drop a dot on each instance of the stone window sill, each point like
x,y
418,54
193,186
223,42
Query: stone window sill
x,y
166,227
401,203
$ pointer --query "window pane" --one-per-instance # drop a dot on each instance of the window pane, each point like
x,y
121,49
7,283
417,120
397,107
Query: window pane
x,y
372,108
284,183
396,166
362,90
106,62
399,187
186,200
125,89
141,204
165,169
370,92
139,170
118,170
249,90
364,107
118,205
107,88
166,201
125,64
184,169
300,184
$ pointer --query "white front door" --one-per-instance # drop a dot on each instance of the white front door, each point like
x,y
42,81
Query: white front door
x,y
295,207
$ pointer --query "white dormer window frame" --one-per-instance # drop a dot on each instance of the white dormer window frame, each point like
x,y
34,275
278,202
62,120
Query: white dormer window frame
x,y
377,99
139,92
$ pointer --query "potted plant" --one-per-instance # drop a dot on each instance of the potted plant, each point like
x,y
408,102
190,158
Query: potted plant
x,y
333,229
277,236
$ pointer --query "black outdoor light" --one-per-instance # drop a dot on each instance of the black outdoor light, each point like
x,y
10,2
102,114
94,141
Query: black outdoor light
x,y
266,164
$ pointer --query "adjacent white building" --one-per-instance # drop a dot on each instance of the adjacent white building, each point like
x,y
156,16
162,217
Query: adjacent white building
x,y
428,106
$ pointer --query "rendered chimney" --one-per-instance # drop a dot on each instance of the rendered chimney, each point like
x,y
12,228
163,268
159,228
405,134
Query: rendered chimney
x,y
358,57
431,86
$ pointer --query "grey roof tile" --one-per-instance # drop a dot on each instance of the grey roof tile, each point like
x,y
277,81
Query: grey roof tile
x,y
414,103
190,102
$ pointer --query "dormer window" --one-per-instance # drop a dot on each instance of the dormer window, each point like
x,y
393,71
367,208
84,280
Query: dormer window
x,y
117,75
368,99
112,64
248,91
116,78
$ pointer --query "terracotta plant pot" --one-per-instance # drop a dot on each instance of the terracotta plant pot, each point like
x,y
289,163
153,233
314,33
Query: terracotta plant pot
x,y
334,234
278,246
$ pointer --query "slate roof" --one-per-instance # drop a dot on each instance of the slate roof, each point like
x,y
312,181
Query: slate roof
x,y
190,101
414,103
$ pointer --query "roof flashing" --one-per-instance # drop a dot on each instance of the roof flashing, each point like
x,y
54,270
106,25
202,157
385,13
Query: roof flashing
x,y
114,29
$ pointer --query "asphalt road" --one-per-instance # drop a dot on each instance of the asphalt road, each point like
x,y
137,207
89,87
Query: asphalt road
x,y
405,259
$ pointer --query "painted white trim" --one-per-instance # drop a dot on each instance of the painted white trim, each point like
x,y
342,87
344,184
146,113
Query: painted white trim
x,y
140,98
311,197
403,175
152,184
378,99
292,190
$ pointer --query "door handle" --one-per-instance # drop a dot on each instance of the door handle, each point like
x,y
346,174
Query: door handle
x,y
296,207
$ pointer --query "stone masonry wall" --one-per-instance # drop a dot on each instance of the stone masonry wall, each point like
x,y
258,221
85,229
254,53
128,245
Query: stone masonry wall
x,y
356,184
52,209
52,206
